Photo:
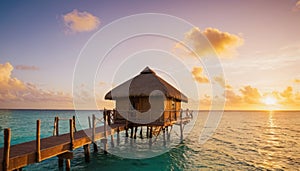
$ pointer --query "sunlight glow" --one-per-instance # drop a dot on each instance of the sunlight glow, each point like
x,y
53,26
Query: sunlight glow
x,y
269,100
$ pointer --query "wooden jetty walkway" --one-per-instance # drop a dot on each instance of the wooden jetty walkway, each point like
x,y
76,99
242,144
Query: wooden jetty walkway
x,y
17,156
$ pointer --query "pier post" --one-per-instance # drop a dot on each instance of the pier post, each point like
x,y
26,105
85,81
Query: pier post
x,y
56,126
74,124
89,120
147,133
67,156
150,137
126,131
112,138
168,133
6,150
68,164
135,130
38,141
131,132
104,141
151,129
141,132
118,136
93,134
60,162
87,152
164,135
181,128
71,134
108,114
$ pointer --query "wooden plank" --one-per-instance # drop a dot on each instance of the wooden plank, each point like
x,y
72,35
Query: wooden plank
x,y
66,155
25,153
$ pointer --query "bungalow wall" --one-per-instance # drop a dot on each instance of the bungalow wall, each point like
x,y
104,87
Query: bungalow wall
x,y
169,107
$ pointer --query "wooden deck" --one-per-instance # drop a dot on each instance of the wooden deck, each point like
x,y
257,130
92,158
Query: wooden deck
x,y
20,155
24,154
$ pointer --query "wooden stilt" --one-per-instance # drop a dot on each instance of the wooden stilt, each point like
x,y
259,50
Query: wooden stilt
x,y
95,147
74,124
104,141
118,136
147,133
89,120
135,130
87,152
126,132
38,141
181,128
131,132
150,138
112,143
6,150
151,129
164,136
60,162
67,156
56,126
169,133
93,134
141,133
71,134
68,164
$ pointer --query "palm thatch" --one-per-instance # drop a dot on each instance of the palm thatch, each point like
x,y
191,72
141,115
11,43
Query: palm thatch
x,y
143,85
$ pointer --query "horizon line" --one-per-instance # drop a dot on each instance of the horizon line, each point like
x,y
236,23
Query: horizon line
x,y
201,110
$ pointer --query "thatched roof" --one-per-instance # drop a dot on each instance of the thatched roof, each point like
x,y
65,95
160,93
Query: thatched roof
x,y
142,85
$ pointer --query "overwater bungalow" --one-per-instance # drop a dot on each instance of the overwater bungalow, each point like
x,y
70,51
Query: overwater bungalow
x,y
146,100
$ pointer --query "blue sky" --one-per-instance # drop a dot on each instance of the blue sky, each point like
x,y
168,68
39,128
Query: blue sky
x,y
34,34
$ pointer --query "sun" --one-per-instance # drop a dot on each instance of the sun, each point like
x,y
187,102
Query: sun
x,y
269,100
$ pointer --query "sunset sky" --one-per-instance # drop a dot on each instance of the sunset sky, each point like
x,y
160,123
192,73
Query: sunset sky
x,y
257,43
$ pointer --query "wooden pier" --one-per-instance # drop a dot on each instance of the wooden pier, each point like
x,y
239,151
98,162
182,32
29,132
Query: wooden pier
x,y
18,156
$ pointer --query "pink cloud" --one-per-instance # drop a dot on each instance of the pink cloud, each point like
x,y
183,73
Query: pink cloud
x,y
26,67
15,93
77,21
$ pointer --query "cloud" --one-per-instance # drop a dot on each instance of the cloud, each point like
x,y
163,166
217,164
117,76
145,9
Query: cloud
x,y
26,67
287,93
6,81
77,21
220,80
250,94
287,96
102,84
15,93
223,43
232,97
249,97
297,80
198,75
297,6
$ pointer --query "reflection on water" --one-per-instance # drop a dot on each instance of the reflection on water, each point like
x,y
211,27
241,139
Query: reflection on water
x,y
271,141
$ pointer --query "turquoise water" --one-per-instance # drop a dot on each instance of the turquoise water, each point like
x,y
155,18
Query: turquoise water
x,y
243,141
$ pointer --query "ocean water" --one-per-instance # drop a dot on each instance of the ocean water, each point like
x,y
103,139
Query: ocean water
x,y
244,140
